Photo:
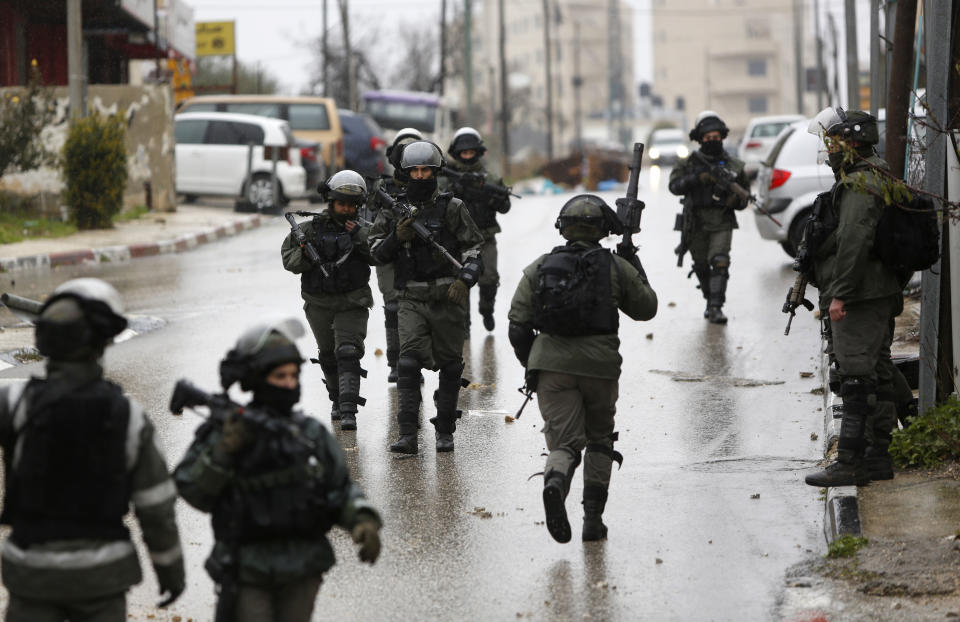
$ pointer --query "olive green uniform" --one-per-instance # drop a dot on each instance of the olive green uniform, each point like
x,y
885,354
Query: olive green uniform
x,y
712,211
385,274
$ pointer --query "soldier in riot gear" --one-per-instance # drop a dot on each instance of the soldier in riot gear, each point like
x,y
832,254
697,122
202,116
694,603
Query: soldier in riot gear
x,y
703,179
273,492
432,290
563,327
393,185
77,453
860,294
466,150
336,293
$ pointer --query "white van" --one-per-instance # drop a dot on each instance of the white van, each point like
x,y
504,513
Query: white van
x,y
211,158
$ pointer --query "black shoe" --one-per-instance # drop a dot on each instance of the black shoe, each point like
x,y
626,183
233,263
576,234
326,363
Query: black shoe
x,y
840,474
556,512
444,441
488,321
716,316
406,444
334,413
706,312
392,376
879,467
594,529
348,421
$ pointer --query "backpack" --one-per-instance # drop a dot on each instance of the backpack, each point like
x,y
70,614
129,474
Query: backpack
x,y
573,296
908,236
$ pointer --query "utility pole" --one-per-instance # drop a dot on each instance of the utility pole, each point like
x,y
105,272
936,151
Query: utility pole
x,y
504,96
468,57
577,84
323,44
853,65
443,45
348,54
548,54
835,91
75,58
898,100
798,53
821,78
616,101
874,57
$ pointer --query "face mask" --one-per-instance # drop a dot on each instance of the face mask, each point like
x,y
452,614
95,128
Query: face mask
x,y
469,160
712,148
420,190
340,218
278,397
835,160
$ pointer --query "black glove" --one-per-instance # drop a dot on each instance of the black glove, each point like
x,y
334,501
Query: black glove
x,y
405,230
530,379
366,533
172,583
629,253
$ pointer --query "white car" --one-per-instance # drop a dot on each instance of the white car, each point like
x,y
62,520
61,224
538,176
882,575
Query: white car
x,y
667,145
212,152
761,134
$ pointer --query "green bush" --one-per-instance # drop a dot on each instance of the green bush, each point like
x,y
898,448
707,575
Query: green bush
x,y
95,170
846,546
930,439
23,115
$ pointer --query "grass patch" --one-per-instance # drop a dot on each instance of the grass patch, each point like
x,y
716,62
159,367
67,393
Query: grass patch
x,y
131,214
846,546
16,227
27,355
931,439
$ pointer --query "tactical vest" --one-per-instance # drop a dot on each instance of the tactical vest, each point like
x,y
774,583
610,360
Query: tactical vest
x,y
707,194
279,491
573,294
420,261
348,271
70,481
479,203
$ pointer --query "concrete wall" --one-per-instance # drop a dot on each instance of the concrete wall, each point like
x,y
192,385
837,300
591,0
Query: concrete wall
x,y
150,145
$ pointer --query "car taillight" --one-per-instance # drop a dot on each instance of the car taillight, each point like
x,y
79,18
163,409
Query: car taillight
x,y
753,144
376,142
308,154
778,178
340,147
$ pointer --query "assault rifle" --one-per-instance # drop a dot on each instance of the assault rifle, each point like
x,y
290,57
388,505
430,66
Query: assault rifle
x,y
629,208
476,178
306,244
726,180
406,211
684,224
187,395
795,298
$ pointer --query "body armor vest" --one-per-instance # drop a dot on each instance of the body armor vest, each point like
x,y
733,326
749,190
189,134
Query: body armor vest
x,y
348,271
71,479
420,261
279,491
573,293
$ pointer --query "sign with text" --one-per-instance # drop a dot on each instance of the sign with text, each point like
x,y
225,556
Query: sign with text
x,y
215,39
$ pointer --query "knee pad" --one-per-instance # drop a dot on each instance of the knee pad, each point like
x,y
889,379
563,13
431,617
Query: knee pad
x,y
348,358
607,449
391,306
327,360
859,395
451,372
408,371
720,261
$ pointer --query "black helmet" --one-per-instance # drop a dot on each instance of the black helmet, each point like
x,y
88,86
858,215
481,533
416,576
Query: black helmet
x,y
347,186
466,138
591,217
421,153
404,137
79,320
855,125
259,349
708,121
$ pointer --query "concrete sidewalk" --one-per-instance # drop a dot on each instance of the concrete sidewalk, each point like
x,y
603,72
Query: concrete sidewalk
x,y
153,234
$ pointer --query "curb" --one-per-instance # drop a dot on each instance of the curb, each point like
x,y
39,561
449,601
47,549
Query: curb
x,y
122,253
841,515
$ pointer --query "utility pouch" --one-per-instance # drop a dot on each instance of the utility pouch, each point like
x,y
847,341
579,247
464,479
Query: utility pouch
x,y
678,223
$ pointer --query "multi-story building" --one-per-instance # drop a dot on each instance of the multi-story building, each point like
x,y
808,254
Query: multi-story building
x,y
736,57
589,38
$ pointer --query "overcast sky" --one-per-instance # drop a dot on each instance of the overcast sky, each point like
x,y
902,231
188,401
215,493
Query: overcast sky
x,y
276,34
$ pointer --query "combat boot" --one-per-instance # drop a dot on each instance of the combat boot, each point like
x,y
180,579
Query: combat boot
x,y
594,500
849,469
408,405
879,463
719,276
328,364
488,295
555,487
393,339
715,315
847,472
348,364
702,271
445,399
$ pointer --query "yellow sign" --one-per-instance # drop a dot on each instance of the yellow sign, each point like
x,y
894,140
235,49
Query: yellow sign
x,y
181,79
215,39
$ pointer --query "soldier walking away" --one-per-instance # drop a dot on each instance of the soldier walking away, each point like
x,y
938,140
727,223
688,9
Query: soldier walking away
x,y
274,481
336,290
77,452
704,180
425,235
859,293
563,327
483,203
392,185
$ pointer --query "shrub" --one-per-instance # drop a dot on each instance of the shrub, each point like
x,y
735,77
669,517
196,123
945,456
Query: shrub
x,y
23,115
95,170
931,438
846,546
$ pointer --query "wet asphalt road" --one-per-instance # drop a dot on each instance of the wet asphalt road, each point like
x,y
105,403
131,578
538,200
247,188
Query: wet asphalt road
x,y
715,423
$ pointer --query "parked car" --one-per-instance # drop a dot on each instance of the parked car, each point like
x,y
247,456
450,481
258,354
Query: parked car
x,y
312,160
364,148
789,181
212,150
761,134
311,118
667,145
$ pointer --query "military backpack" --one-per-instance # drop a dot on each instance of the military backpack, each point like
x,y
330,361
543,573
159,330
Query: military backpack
x,y
573,296
908,235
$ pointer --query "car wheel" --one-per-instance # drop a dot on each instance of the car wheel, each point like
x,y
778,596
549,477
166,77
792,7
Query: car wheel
x,y
795,235
190,198
260,194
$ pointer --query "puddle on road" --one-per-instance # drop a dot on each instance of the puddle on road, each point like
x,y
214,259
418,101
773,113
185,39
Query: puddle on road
x,y
682,376
751,464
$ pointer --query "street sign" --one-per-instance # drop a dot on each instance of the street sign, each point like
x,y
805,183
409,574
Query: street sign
x,y
215,39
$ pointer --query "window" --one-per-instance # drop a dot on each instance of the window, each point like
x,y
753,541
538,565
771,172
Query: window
x,y
756,67
309,117
757,28
248,133
757,103
233,133
200,107
190,132
261,109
